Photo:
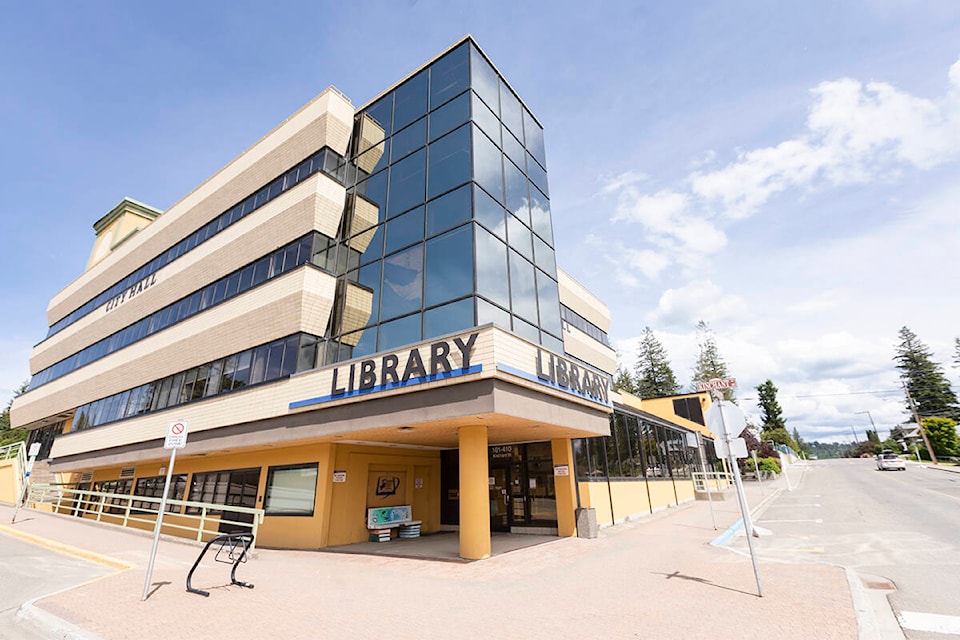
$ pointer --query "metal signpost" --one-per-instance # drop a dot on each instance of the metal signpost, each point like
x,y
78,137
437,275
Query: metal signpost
x,y
34,450
727,419
176,439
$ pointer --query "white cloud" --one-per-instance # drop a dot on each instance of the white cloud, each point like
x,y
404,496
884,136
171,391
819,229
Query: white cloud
x,y
855,132
625,179
684,306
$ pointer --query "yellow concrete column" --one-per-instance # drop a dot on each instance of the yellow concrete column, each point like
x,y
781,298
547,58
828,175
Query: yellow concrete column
x,y
565,488
474,494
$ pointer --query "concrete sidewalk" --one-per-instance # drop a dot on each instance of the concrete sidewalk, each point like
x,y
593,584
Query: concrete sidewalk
x,y
657,577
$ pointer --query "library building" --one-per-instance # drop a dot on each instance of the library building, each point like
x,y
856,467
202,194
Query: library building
x,y
362,326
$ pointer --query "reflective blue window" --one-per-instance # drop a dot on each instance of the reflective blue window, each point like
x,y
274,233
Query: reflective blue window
x,y
356,345
407,183
368,244
488,313
450,116
526,330
410,101
449,161
372,159
404,230
382,111
537,174
489,213
485,119
540,215
449,75
511,113
410,139
517,196
369,279
484,80
520,238
492,275
402,283
449,266
399,332
534,138
374,193
523,288
545,257
487,165
448,210
514,150
449,318
548,298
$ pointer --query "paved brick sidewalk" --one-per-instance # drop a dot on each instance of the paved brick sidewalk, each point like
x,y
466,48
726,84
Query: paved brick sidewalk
x,y
653,578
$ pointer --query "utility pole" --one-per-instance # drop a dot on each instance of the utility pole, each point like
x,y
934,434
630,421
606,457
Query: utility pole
x,y
871,421
916,416
854,434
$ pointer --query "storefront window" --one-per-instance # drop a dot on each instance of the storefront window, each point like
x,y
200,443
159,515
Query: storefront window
x,y
291,490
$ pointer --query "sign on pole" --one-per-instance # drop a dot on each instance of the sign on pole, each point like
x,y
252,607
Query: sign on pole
x,y
717,384
176,439
176,435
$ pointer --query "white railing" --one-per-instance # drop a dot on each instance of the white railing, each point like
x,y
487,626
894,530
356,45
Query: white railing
x,y
119,508
715,480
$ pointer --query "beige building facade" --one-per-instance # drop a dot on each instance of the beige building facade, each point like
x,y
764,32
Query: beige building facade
x,y
362,310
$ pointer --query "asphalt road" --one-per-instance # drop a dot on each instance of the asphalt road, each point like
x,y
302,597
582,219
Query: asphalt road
x,y
28,571
901,527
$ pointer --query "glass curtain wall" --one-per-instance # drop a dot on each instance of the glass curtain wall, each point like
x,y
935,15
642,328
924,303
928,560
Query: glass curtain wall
x,y
447,220
636,449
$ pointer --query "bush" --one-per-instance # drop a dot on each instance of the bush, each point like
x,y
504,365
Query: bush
x,y
766,464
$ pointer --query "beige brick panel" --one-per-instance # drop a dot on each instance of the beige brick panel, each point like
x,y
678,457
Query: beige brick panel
x,y
297,301
575,296
273,400
580,345
326,121
315,204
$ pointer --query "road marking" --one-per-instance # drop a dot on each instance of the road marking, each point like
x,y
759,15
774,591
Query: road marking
x,y
818,520
933,622
797,504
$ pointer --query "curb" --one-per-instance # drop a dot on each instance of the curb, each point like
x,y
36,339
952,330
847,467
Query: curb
x,y
35,618
875,617
77,552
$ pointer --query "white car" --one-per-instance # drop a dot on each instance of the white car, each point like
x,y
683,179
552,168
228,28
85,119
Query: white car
x,y
892,461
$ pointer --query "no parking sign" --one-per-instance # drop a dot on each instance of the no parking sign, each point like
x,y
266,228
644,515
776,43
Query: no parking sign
x,y
176,435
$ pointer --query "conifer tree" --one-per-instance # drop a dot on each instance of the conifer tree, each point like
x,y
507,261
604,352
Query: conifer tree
x,y
925,380
709,363
653,375
623,380
771,414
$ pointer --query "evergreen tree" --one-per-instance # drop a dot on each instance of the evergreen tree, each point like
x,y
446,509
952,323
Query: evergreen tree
x,y
802,446
654,376
873,436
709,364
771,414
623,380
956,352
925,379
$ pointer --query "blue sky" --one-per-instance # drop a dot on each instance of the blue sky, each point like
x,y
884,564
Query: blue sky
x,y
785,171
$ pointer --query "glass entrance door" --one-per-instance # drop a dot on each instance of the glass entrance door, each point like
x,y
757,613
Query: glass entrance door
x,y
499,499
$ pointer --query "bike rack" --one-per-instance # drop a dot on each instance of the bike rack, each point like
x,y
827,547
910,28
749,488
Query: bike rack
x,y
236,545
